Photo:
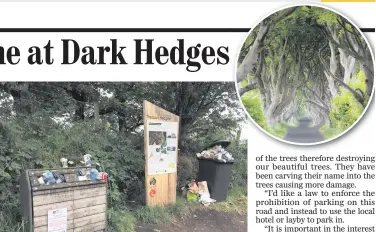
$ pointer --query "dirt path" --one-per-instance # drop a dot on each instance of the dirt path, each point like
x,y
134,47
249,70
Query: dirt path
x,y
202,220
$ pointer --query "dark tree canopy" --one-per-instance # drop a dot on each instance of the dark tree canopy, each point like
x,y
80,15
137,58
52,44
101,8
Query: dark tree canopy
x,y
202,106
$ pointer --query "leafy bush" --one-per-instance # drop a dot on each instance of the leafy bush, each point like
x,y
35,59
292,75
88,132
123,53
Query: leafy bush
x,y
15,160
345,109
253,103
359,82
239,175
187,170
35,144
329,132
279,130
254,106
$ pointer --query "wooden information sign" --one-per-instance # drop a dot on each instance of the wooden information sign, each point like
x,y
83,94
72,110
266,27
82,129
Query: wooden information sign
x,y
161,132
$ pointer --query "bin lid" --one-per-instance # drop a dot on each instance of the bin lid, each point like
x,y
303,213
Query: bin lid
x,y
223,143
216,161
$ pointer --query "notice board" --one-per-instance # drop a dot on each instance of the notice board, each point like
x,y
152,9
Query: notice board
x,y
161,135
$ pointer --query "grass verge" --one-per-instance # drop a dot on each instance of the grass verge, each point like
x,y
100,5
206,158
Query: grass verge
x,y
8,223
159,214
329,133
236,202
121,221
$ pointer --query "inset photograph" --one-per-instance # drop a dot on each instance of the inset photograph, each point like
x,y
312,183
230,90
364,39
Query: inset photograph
x,y
305,75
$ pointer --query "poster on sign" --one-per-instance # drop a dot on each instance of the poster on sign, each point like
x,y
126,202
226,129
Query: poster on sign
x,y
162,147
57,220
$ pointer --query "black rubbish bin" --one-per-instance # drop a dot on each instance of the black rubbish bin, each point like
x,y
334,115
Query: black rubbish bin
x,y
216,173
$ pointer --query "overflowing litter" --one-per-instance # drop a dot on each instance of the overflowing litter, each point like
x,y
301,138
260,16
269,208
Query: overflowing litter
x,y
204,195
192,193
217,152
215,164
82,173
52,192
199,192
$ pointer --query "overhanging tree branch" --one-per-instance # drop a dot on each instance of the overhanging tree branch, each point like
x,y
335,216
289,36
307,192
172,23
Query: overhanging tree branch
x,y
249,87
357,96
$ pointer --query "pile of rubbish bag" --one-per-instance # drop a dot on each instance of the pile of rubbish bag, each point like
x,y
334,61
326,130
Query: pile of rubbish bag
x,y
51,178
83,174
217,152
199,192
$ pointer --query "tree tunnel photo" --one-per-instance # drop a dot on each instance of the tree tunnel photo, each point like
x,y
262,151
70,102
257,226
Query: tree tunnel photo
x,y
305,74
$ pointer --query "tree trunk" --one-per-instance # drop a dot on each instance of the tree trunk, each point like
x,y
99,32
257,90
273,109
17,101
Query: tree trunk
x,y
79,113
96,111
333,69
348,64
249,64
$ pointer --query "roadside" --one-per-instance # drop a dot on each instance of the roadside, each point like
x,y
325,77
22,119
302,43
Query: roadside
x,y
203,219
185,216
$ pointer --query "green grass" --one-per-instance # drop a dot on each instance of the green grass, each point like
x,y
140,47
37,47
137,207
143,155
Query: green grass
x,y
329,132
121,221
280,129
236,202
8,223
165,214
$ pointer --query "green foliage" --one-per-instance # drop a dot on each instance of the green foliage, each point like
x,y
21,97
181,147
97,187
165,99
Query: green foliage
x,y
329,132
251,37
324,16
345,109
187,170
19,151
279,130
239,176
359,84
13,159
244,82
254,106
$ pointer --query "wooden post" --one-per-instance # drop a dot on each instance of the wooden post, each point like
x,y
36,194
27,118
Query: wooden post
x,y
161,136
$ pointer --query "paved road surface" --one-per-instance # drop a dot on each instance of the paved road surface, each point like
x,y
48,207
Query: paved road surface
x,y
304,133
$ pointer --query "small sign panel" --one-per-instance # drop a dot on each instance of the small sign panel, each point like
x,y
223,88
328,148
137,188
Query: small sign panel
x,y
162,150
57,220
